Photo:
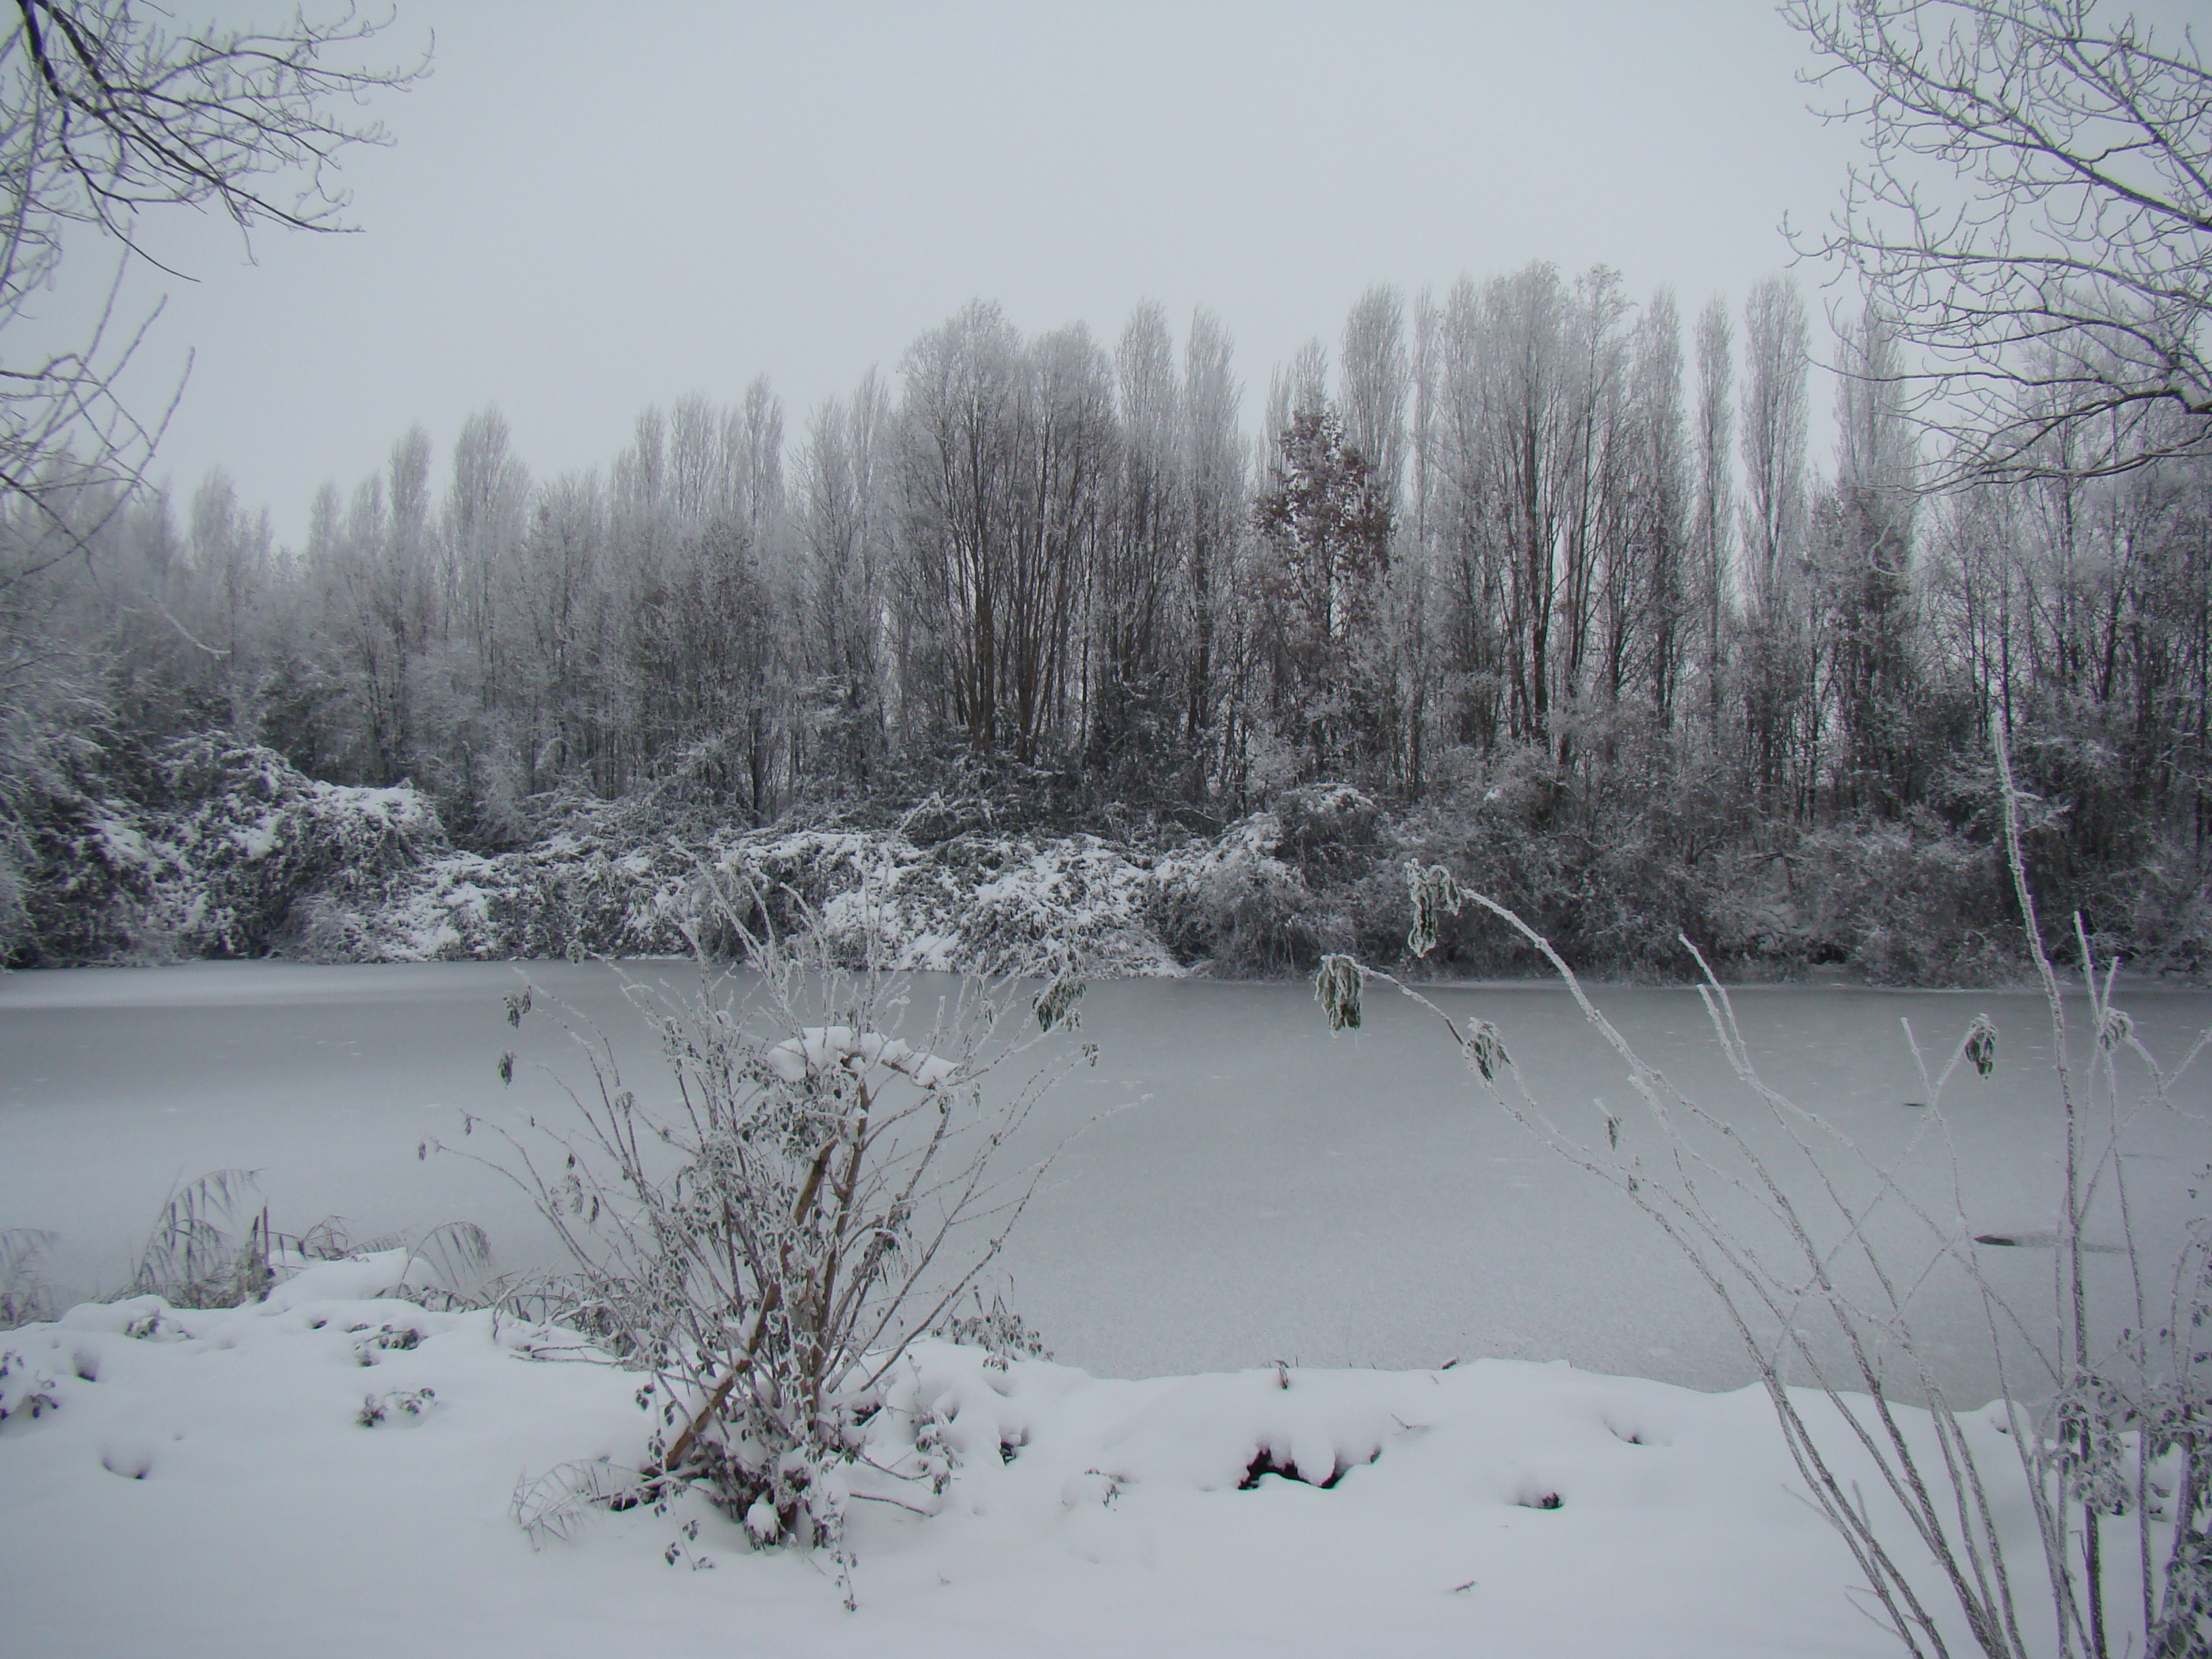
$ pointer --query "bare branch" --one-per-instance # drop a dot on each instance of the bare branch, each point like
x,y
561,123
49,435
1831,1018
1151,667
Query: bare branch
x,y
2062,311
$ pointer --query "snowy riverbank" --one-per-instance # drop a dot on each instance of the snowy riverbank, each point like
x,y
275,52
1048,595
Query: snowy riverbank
x,y
204,1483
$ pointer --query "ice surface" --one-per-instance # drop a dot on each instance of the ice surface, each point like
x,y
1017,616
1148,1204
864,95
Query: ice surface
x,y
1241,1188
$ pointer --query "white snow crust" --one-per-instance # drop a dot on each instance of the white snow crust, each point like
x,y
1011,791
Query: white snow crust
x,y
333,1470
819,1048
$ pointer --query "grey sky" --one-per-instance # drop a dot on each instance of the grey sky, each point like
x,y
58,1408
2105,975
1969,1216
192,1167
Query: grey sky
x,y
590,208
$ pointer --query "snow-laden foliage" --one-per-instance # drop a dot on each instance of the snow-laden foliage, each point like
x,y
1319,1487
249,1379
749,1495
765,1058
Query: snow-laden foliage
x,y
232,853
977,902
225,850
1277,890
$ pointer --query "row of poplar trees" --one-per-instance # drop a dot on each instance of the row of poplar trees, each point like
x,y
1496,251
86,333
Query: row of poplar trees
x,y
1527,523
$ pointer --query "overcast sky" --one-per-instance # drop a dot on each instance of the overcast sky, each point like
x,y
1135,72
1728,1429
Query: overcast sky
x,y
589,208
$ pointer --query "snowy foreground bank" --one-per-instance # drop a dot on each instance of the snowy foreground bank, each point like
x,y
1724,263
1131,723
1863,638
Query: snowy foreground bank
x,y
186,1483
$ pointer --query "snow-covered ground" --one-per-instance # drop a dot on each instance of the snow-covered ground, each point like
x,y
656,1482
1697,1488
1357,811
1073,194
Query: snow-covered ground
x,y
205,1484
1233,1188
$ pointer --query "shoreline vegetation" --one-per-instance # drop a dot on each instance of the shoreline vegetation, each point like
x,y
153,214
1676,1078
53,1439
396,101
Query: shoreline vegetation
x,y
219,849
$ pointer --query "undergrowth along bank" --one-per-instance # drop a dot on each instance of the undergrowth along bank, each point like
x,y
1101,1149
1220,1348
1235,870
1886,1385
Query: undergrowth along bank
x,y
226,851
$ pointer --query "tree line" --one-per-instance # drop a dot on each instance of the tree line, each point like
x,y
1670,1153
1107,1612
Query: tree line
x,y
1524,522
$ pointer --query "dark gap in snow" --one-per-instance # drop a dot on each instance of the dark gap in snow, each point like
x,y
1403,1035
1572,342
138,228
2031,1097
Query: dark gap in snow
x,y
1265,1463
1544,1500
390,1339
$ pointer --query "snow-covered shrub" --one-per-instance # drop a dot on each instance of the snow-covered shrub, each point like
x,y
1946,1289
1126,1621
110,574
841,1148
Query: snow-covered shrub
x,y
2155,909
821,1194
1615,880
14,889
1076,900
1240,905
25,1391
396,1405
1279,889
92,896
227,851
1327,826
1609,878
1904,904
972,902
250,836
1001,1332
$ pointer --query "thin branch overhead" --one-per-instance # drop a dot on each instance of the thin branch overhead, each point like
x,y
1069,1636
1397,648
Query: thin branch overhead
x,y
106,114
2033,208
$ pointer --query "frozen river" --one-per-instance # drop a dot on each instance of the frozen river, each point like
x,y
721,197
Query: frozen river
x,y
1251,1189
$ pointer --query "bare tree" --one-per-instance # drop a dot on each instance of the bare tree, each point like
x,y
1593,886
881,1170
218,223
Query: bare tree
x,y
1779,673
1870,583
2069,293
844,526
1373,380
1659,592
1008,455
1301,387
1715,514
1775,437
103,114
1214,465
1142,552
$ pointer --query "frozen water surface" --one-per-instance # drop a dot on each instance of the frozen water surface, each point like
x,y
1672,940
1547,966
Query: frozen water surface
x,y
1247,1188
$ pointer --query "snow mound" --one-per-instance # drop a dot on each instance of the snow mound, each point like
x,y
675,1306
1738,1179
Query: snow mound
x,y
338,1470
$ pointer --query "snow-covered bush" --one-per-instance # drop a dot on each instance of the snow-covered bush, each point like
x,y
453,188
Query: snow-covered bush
x,y
1901,904
227,852
972,901
91,895
25,1391
212,848
248,836
822,1192
1281,888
